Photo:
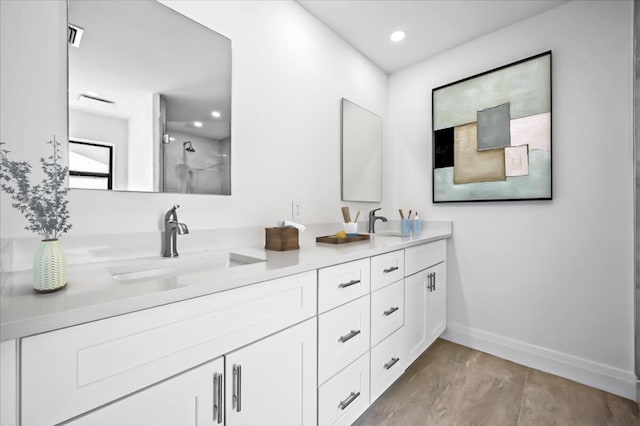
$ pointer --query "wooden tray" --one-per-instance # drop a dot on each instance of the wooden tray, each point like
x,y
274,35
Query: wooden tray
x,y
332,239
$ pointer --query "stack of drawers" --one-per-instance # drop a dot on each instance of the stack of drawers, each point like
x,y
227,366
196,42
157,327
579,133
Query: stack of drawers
x,y
387,320
361,315
343,342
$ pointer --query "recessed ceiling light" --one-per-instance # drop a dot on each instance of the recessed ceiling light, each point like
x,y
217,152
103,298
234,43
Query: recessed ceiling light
x,y
397,36
197,123
215,114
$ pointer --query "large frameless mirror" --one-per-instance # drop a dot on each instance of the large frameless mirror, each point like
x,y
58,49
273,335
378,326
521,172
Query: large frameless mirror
x,y
361,154
149,100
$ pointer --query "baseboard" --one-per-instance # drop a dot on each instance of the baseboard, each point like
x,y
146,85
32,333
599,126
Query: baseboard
x,y
590,373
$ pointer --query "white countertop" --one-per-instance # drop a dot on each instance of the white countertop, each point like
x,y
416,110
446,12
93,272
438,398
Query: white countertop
x,y
93,293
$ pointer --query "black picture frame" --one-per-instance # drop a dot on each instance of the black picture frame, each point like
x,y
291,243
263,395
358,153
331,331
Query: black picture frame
x,y
529,116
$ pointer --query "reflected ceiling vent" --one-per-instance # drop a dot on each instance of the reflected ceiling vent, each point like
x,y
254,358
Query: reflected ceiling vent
x,y
74,35
94,98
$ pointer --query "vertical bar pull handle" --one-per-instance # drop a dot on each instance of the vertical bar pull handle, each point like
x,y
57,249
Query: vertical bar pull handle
x,y
217,398
434,281
220,398
429,282
237,388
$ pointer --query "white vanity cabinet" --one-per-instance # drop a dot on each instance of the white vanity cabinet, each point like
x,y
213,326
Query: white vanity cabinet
x,y
67,372
317,347
270,382
425,294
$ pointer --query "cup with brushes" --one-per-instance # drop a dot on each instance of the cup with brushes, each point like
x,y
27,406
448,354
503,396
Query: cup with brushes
x,y
349,227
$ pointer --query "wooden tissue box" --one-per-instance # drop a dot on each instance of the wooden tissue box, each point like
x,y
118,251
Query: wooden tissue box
x,y
281,239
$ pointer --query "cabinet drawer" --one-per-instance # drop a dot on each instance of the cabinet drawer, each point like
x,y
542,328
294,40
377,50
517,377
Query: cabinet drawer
x,y
343,336
386,363
424,256
70,371
386,269
342,283
387,311
346,396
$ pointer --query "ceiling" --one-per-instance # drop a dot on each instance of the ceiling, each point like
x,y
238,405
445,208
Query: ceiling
x,y
432,26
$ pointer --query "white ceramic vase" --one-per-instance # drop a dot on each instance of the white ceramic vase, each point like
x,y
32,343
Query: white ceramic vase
x,y
49,267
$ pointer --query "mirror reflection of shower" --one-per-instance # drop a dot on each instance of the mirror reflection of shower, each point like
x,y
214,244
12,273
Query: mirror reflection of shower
x,y
188,146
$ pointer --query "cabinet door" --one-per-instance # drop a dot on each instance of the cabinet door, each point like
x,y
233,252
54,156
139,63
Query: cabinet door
x,y
437,307
416,290
273,381
190,398
425,309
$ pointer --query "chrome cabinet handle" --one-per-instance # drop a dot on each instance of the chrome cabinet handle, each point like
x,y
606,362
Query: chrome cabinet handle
x,y
391,363
349,336
349,284
217,398
237,387
434,281
390,311
352,397
430,286
391,269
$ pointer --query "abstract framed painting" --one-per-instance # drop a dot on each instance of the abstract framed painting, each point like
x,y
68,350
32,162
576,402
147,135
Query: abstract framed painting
x,y
492,134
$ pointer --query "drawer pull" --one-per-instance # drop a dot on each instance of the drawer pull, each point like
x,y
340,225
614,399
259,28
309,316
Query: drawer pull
x,y
390,311
352,397
388,270
349,284
351,335
237,387
391,363
217,398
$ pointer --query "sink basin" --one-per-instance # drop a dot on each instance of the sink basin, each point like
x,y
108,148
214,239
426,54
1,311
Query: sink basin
x,y
190,263
389,234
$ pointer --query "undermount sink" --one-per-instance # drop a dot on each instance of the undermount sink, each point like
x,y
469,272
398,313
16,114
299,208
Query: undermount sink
x,y
389,234
190,263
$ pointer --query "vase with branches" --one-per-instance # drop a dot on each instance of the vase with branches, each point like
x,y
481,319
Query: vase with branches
x,y
45,206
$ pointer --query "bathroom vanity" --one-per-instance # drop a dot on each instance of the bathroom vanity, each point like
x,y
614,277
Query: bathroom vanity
x,y
307,337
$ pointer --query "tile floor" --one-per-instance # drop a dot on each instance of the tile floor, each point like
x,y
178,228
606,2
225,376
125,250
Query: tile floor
x,y
454,385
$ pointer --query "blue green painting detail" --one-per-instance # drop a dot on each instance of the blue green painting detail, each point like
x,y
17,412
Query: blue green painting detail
x,y
492,134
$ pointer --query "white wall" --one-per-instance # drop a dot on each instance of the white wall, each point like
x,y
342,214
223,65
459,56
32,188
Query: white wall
x,y
547,283
289,73
33,98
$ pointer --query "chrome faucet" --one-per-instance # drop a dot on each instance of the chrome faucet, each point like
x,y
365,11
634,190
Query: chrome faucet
x,y
172,228
373,218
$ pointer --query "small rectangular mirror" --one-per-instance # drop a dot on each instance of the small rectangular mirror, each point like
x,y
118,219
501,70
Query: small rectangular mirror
x,y
361,154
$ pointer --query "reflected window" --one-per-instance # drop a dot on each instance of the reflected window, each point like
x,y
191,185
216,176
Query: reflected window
x,y
90,165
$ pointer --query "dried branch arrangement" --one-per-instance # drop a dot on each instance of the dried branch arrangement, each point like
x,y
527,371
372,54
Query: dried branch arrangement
x,y
43,205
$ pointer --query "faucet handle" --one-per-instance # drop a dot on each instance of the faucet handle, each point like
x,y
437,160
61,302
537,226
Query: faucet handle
x,y
373,212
